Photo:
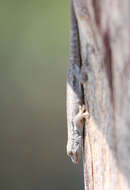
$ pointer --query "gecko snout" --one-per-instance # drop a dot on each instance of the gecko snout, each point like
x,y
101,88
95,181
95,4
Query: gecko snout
x,y
70,153
74,156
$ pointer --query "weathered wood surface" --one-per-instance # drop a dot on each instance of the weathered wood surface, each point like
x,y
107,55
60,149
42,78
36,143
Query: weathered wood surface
x,y
105,46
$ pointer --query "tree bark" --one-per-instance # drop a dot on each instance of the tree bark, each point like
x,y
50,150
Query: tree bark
x,y
105,48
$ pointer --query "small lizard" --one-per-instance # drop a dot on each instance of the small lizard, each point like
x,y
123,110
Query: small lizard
x,y
76,111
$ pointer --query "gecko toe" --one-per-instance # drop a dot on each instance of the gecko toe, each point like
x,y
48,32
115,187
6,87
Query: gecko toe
x,y
86,115
80,108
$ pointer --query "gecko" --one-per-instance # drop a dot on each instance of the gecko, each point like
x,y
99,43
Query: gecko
x,y
76,110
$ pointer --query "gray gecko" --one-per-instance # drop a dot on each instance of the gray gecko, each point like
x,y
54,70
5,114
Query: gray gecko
x,y
76,111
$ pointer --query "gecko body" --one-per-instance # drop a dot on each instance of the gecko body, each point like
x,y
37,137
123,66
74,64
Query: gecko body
x,y
76,111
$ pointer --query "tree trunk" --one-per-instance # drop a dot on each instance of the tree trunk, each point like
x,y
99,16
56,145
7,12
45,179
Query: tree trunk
x,y
105,48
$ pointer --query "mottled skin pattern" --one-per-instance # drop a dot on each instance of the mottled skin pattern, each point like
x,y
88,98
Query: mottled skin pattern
x,y
75,143
76,111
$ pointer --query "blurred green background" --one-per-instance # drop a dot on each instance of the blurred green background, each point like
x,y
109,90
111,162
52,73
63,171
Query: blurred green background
x,y
34,42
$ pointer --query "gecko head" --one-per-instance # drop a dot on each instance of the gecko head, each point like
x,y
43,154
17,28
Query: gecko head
x,y
74,152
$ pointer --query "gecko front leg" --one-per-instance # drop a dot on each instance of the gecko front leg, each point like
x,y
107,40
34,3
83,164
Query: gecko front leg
x,y
75,144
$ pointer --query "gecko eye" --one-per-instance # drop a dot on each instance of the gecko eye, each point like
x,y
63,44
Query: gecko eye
x,y
76,144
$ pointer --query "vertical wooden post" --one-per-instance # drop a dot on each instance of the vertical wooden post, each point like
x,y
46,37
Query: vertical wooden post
x,y
105,47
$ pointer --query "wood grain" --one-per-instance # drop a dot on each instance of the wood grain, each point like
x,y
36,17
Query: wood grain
x,y
105,48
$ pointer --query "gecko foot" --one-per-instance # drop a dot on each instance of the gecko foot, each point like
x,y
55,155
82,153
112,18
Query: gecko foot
x,y
83,111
